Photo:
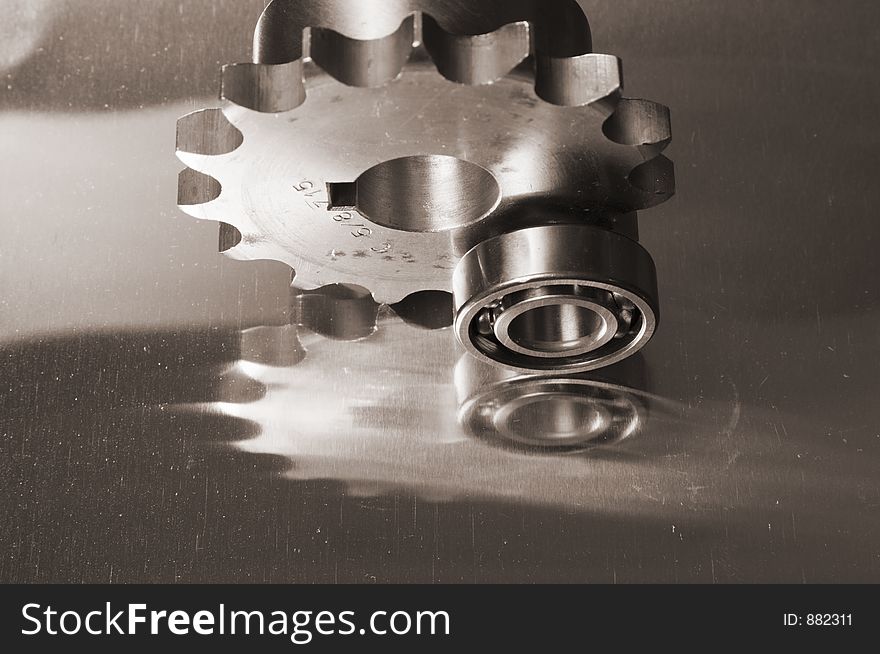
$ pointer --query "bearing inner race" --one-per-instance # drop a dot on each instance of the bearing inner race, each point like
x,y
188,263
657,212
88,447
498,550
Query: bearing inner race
x,y
553,322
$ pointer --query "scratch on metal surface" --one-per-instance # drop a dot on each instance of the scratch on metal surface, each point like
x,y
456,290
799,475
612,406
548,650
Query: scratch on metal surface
x,y
735,412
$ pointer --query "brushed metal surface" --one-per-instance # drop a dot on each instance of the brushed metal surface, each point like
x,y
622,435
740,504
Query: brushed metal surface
x,y
146,437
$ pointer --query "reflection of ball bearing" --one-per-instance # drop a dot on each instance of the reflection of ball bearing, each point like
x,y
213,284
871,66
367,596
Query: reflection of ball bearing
x,y
547,412
557,297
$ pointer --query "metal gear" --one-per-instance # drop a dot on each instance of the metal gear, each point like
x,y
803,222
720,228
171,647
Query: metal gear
x,y
397,145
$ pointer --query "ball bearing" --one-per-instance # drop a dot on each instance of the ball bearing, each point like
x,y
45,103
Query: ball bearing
x,y
557,297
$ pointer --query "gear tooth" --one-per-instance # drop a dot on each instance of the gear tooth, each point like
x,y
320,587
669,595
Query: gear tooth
x,y
246,248
237,253
310,278
655,179
587,79
340,311
230,236
427,309
268,88
207,132
478,59
195,188
641,123
271,346
363,63
302,282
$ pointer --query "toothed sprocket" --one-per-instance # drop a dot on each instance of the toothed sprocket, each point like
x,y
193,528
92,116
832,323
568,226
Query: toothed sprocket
x,y
371,145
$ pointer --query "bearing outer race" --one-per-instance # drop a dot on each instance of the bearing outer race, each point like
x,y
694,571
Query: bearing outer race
x,y
550,255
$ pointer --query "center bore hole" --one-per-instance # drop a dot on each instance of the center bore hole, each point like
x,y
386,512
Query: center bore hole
x,y
559,417
427,193
557,328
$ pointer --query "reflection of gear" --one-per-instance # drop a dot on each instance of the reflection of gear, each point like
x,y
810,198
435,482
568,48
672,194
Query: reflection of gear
x,y
387,179
339,410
